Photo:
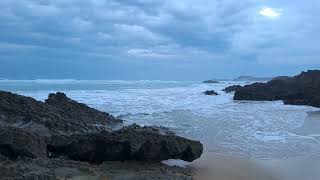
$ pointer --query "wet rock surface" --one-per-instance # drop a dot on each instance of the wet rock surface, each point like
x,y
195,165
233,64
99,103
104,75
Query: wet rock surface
x,y
66,169
232,88
16,143
129,143
210,93
62,130
58,115
303,89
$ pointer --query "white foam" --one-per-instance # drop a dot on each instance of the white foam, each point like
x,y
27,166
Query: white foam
x,y
176,162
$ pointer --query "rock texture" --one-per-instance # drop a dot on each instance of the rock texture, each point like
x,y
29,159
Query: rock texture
x,y
58,115
210,93
16,143
65,129
129,143
303,89
232,88
59,169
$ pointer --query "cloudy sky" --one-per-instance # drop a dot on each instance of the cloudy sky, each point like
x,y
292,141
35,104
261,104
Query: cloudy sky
x,y
157,39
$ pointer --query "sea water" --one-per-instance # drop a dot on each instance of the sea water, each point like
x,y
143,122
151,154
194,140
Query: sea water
x,y
250,129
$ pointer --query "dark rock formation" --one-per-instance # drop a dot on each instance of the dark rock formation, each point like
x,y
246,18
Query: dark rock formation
x,y
210,93
129,143
16,143
79,112
55,169
211,82
232,88
61,127
303,89
58,115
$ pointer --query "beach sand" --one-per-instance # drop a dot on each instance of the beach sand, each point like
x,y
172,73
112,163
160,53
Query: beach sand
x,y
224,167
212,166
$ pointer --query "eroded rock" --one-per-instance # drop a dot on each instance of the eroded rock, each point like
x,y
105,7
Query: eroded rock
x,y
62,127
58,115
129,143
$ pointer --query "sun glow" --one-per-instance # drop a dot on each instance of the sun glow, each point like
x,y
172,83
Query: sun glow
x,y
270,13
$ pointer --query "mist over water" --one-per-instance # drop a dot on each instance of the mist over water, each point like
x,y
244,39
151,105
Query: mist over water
x,y
261,130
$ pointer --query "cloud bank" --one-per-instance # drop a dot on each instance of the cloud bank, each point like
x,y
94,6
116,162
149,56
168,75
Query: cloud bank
x,y
188,39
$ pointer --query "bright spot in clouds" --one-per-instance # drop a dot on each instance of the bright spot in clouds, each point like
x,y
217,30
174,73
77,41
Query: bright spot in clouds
x,y
269,12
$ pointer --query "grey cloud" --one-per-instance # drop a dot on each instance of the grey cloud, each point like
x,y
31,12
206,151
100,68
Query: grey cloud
x,y
174,33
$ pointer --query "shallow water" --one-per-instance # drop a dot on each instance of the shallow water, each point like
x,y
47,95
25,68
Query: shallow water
x,y
261,130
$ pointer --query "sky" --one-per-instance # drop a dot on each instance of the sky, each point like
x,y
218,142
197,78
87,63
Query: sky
x,y
157,39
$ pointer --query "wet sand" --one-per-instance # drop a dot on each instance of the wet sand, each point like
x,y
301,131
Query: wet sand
x,y
224,167
212,166
297,168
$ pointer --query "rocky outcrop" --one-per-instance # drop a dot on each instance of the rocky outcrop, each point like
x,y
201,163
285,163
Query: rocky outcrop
x,y
303,89
55,169
61,127
211,93
78,112
232,88
211,82
16,143
58,115
129,143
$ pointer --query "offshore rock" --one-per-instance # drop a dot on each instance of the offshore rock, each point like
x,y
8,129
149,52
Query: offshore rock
x,y
211,93
303,89
232,88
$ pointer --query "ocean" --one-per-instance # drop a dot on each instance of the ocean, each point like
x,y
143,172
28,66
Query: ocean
x,y
260,130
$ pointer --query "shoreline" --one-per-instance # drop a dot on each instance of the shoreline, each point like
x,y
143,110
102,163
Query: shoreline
x,y
210,166
221,166
214,166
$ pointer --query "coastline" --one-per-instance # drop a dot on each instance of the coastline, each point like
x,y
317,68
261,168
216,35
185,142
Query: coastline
x,y
41,140
210,165
226,167
230,167
213,166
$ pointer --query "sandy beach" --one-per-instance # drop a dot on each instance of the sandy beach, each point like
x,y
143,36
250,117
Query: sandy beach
x,y
223,167
213,166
